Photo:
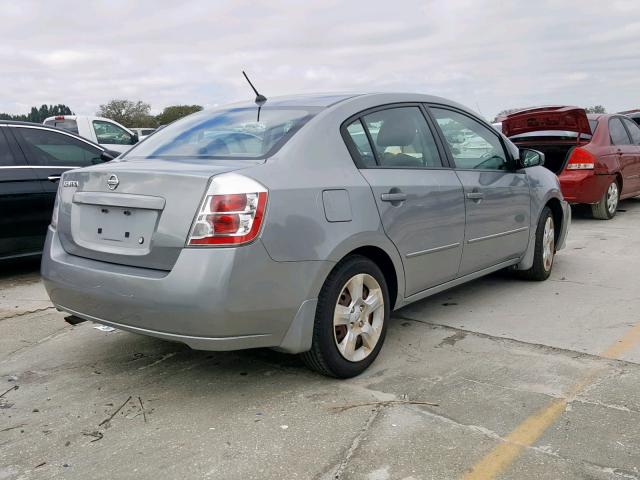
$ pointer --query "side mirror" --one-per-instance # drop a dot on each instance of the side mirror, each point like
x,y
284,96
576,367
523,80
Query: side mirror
x,y
107,156
134,139
530,158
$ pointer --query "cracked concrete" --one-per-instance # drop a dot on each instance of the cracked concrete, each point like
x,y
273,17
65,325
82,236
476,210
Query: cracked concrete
x,y
489,354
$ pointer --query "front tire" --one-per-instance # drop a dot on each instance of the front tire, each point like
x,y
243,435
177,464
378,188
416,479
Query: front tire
x,y
351,319
545,248
606,208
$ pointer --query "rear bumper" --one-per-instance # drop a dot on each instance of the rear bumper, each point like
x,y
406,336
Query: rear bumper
x,y
212,299
584,186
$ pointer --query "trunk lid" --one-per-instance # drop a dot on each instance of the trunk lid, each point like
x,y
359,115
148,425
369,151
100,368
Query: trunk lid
x,y
568,119
135,213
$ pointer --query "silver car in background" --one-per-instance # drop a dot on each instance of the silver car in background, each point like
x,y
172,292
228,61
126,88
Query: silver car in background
x,y
299,226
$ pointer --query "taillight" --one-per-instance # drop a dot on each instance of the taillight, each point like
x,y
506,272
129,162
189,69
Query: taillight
x,y
231,212
581,159
56,207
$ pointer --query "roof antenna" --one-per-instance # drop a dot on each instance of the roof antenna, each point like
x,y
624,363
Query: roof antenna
x,y
260,99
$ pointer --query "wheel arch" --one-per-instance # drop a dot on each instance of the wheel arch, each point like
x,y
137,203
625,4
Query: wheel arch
x,y
558,216
380,250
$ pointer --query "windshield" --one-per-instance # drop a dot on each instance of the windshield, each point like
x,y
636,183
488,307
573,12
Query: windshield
x,y
231,134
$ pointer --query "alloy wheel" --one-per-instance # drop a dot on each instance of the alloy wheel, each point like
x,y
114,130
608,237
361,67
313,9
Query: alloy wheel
x,y
612,198
548,244
358,317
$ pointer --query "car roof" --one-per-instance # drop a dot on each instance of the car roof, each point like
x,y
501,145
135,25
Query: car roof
x,y
325,100
47,127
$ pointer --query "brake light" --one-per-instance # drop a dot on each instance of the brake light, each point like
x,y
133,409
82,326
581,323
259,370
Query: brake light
x,y
581,159
59,117
231,212
56,208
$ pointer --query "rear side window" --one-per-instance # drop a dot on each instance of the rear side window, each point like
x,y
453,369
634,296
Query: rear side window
x,y
6,157
593,124
67,124
618,133
634,131
238,133
53,149
473,146
110,134
402,139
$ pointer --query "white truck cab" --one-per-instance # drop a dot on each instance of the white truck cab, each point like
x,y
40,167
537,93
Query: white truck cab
x,y
103,131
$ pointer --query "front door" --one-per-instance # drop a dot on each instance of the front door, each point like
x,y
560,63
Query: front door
x,y
497,198
418,196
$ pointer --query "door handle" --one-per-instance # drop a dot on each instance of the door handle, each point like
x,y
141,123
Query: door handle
x,y
393,197
475,195
53,178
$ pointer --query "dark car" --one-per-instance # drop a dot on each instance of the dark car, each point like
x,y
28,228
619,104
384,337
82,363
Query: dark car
x,y
32,159
596,157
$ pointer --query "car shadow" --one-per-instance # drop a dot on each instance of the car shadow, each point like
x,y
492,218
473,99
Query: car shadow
x,y
20,266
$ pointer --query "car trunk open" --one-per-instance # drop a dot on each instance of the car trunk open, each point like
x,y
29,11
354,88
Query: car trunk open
x,y
136,213
554,131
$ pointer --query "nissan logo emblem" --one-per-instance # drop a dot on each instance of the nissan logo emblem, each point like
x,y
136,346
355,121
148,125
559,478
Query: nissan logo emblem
x,y
113,182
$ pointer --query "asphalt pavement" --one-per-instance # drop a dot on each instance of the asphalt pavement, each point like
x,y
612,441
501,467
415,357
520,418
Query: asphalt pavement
x,y
499,378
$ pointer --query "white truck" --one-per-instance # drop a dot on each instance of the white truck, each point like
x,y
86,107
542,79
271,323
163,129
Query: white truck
x,y
103,131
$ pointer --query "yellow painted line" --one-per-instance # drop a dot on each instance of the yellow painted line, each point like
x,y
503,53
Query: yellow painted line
x,y
626,342
533,427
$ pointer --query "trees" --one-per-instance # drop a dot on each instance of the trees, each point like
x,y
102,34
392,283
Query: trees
x,y
38,115
128,113
596,109
174,112
125,112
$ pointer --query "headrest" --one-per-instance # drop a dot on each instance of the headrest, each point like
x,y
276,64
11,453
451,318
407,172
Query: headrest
x,y
398,130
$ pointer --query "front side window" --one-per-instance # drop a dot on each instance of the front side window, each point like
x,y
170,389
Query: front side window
x,y
634,131
618,133
230,134
53,149
108,133
402,138
472,145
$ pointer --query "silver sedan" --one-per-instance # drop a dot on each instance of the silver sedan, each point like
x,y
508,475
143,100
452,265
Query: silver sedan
x,y
299,225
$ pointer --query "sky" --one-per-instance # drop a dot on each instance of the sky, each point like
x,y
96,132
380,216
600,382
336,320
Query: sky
x,y
487,54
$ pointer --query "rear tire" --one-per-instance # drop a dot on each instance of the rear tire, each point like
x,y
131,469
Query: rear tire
x,y
349,331
545,249
606,208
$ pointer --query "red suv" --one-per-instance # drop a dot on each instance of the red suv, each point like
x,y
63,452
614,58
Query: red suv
x,y
596,157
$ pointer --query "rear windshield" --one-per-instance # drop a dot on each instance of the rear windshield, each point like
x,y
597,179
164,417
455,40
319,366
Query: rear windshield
x,y
231,134
67,124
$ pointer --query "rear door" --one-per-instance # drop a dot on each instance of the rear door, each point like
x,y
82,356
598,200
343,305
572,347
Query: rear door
x,y
22,201
626,153
418,195
112,136
634,177
496,198
50,153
